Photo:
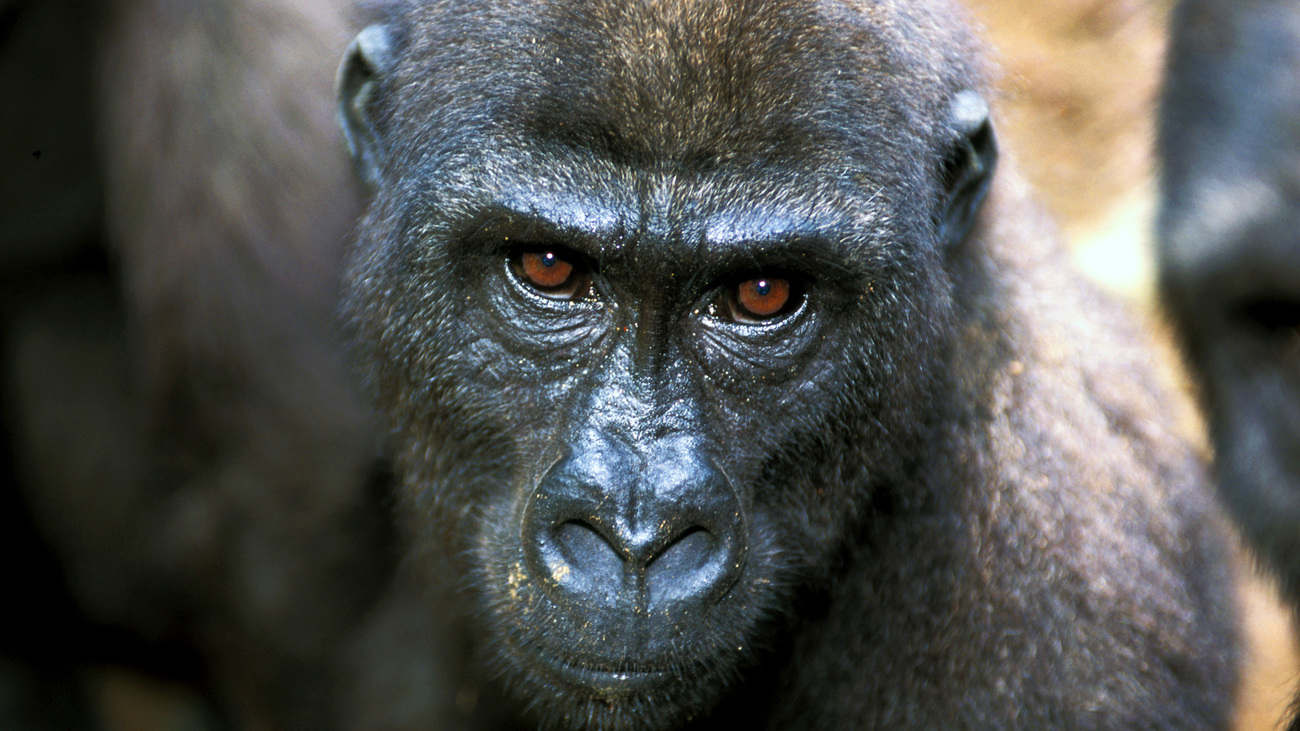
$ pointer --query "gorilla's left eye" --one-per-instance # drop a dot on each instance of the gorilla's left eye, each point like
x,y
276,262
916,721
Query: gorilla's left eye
x,y
758,300
551,274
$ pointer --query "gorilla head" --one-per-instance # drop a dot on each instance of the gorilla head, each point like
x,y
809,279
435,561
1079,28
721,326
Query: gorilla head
x,y
661,300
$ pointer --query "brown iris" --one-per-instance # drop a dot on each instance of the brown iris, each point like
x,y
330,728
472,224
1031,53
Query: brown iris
x,y
760,298
548,272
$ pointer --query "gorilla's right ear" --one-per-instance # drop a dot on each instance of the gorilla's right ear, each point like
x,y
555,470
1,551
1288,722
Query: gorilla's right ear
x,y
368,59
968,167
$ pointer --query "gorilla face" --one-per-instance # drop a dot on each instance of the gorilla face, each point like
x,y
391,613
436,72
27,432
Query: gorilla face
x,y
654,326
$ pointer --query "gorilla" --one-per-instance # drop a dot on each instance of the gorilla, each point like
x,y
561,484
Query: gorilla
x,y
1230,276
715,380
1231,200
179,424
727,388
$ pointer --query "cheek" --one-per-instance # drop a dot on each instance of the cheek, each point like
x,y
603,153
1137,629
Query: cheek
x,y
460,485
457,365
761,419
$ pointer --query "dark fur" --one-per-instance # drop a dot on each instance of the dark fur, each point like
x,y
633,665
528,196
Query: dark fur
x,y
1230,255
49,219
965,507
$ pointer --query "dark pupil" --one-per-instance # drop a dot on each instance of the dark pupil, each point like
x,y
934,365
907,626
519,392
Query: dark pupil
x,y
762,288
548,259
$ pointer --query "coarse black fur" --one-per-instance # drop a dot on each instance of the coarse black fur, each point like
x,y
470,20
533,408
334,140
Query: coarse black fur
x,y
941,490
1230,255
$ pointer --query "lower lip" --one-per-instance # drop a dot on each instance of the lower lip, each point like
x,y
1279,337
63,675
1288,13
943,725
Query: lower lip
x,y
606,682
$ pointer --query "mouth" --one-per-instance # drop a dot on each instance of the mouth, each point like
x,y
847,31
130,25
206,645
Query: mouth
x,y
603,681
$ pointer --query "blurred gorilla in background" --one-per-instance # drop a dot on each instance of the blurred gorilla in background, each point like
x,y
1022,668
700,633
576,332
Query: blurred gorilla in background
x,y
1230,252
181,424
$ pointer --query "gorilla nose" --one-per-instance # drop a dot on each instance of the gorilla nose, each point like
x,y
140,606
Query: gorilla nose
x,y
664,563
599,529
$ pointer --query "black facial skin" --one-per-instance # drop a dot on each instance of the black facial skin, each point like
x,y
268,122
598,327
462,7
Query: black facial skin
x,y
661,506
1230,255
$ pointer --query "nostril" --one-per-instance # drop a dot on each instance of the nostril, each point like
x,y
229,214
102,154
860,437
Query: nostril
x,y
688,552
585,556
695,564
598,532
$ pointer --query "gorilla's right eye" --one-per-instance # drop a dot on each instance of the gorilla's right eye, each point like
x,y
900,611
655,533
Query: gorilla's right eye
x,y
758,300
551,274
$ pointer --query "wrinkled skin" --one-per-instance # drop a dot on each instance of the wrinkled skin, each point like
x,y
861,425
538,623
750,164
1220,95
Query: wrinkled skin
x,y
906,488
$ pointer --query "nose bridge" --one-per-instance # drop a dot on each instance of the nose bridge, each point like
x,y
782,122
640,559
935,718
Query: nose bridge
x,y
615,396
676,481
644,356
636,393
643,470
652,346
637,443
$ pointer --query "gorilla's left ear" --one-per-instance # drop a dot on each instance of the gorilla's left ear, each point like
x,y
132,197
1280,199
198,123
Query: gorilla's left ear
x,y
968,167
368,59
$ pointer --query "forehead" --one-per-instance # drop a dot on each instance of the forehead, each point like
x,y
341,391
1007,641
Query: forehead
x,y
690,81
679,78
676,120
